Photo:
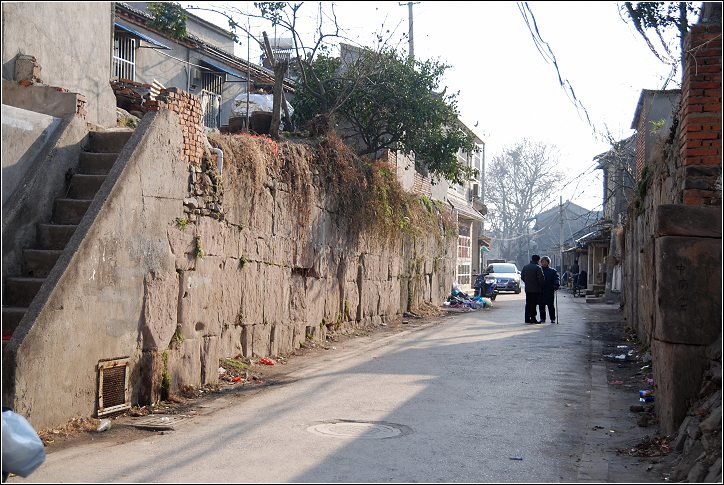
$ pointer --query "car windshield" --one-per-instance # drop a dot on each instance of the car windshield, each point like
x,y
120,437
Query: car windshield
x,y
504,268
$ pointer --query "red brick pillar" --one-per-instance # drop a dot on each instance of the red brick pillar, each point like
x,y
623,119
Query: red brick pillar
x,y
701,108
190,114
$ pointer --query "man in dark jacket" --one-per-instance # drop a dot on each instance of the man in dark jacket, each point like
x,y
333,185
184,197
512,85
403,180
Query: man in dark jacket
x,y
550,286
533,279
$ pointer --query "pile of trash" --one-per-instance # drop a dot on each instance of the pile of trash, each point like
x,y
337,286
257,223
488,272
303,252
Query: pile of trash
x,y
461,301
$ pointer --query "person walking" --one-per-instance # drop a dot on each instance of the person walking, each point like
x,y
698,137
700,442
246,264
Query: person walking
x,y
551,284
533,279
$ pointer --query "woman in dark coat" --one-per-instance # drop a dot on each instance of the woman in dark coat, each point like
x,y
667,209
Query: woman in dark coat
x,y
550,286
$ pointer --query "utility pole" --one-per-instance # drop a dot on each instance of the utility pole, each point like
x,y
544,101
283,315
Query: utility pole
x,y
560,217
411,40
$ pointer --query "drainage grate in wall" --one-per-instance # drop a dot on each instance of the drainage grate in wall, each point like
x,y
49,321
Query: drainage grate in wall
x,y
113,389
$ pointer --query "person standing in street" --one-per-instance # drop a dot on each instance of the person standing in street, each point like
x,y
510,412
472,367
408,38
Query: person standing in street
x,y
550,286
533,279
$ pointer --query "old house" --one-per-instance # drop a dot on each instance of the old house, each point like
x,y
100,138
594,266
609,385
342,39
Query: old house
x,y
202,63
566,220
465,200
618,165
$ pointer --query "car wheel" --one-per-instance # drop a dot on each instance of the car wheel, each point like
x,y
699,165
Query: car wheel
x,y
517,291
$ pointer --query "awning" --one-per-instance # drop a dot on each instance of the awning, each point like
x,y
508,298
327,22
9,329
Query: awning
x,y
465,210
141,36
218,68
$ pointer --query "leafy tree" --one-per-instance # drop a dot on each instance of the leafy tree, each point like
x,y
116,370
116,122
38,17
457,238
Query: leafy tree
x,y
168,17
523,181
387,101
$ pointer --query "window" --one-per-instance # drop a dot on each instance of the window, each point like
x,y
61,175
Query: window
x,y
124,57
464,260
211,88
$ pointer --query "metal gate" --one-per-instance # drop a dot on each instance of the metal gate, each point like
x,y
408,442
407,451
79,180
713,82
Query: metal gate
x,y
211,108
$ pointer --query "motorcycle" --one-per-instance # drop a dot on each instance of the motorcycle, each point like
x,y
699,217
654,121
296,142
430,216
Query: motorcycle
x,y
486,287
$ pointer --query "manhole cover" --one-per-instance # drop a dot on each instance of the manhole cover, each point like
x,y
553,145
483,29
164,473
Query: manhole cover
x,y
366,430
157,422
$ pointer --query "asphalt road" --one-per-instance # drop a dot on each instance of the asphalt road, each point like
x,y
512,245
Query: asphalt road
x,y
477,397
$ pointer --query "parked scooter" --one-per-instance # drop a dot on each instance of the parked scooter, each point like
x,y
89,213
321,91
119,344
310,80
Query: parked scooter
x,y
486,287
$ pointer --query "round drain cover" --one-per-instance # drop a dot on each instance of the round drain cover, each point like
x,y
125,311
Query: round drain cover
x,y
366,430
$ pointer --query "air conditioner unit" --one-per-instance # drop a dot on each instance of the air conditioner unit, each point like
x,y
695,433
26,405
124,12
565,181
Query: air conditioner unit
x,y
195,77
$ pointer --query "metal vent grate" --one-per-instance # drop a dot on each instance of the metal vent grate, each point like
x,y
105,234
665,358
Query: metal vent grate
x,y
113,389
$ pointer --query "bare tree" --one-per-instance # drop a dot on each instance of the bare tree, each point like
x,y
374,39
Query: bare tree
x,y
523,180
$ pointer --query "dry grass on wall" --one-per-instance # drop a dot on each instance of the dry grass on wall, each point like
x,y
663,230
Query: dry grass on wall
x,y
367,195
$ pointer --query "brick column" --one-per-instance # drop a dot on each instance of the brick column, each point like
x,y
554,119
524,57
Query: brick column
x,y
701,107
188,108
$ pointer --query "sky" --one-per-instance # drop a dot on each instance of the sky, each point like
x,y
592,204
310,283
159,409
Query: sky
x,y
507,90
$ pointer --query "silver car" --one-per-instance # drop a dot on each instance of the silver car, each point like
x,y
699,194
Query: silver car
x,y
506,276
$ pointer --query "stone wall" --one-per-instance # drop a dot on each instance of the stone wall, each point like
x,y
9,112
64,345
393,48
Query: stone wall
x,y
175,266
673,238
276,264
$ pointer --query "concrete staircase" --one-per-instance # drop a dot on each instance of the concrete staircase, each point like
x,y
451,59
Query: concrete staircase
x,y
53,236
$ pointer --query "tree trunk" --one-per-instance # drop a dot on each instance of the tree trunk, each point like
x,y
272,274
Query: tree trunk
x,y
280,68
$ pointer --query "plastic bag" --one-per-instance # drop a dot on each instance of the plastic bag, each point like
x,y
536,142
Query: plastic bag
x,y
22,449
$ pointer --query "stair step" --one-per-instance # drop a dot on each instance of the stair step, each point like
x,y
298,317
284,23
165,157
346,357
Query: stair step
x,y
19,292
55,236
69,211
83,186
108,141
11,319
39,262
96,163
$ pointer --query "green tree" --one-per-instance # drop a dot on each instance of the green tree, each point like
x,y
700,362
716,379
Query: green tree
x,y
384,100
168,17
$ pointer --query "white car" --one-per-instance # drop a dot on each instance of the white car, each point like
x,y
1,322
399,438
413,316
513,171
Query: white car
x,y
506,275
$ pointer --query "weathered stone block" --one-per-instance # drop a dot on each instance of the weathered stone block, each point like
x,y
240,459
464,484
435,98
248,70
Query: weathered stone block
x,y
252,298
210,360
351,300
231,292
184,364
182,247
218,238
315,298
283,339
276,294
684,267
261,340
283,251
286,216
304,254
262,212
678,375
297,297
687,220
160,305
201,298
230,341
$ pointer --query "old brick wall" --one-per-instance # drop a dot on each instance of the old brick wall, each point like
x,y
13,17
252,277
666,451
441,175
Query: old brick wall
x,y
700,136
